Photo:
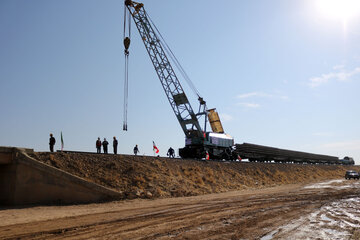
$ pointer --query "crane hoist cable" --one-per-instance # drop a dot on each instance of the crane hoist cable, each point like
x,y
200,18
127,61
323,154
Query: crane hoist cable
x,y
181,70
148,30
126,36
174,59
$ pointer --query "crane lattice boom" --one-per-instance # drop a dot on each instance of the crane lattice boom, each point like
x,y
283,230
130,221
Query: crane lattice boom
x,y
169,81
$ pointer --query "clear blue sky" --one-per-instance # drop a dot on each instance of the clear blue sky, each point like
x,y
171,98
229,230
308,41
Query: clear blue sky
x,y
280,73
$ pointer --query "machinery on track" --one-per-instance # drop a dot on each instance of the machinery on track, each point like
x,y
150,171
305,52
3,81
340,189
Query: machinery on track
x,y
199,143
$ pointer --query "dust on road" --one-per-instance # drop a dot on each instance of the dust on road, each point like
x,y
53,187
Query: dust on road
x,y
272,213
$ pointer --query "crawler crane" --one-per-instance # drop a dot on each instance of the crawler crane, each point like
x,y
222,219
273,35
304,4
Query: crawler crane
x,y
199,143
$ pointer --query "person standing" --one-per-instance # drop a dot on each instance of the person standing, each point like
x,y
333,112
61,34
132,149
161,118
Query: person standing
x,y
52,142
171,152
115,144
98,146
136,149
105,145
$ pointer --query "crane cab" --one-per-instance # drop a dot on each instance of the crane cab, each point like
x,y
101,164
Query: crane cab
x,y
217,145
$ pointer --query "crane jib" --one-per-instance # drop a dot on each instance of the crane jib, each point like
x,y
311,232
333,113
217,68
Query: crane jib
x,y
169,81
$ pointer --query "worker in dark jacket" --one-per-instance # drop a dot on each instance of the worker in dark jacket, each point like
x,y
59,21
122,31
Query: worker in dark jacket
x,y
136,149
52,142
115,144
171,152
105,145
98,146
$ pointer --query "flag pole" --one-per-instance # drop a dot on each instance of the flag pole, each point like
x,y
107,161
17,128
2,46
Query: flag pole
x,y
62,142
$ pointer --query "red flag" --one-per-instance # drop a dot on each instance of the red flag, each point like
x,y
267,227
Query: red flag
x,y
239,158
155,149
207,156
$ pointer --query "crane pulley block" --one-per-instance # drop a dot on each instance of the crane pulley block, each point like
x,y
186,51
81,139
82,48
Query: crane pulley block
x,y
127,44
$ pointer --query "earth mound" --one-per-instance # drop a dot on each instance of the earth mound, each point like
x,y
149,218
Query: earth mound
x,y
155,177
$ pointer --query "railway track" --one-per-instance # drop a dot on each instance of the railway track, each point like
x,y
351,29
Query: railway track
x,y
259,153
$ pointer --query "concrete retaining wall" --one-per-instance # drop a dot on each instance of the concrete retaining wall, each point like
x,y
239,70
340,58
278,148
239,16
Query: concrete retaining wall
x,y
24,180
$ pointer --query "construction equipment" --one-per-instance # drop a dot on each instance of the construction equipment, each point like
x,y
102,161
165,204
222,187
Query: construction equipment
x,y
199,143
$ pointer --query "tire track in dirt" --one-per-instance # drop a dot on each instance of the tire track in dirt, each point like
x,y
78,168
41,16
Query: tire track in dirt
x,y
206,217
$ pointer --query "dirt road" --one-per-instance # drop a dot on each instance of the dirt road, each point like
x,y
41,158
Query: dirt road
x,y
272,213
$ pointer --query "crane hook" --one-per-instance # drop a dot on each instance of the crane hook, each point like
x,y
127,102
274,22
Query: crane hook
x,y
127,45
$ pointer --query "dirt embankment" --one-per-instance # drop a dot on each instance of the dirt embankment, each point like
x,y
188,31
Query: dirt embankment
x,y
154,177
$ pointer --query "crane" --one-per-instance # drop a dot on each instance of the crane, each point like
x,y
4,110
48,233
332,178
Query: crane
x,y
199,143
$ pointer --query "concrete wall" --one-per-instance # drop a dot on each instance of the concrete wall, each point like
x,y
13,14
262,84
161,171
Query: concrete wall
x,y
7,173
7,182
27,181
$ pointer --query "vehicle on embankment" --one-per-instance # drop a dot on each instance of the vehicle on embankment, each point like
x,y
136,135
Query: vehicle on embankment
x,y
352,174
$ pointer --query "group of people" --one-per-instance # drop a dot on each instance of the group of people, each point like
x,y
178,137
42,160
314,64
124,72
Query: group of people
x,y
105,144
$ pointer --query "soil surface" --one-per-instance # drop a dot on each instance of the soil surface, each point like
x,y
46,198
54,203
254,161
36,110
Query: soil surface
x,y
154,177
189,199
318,211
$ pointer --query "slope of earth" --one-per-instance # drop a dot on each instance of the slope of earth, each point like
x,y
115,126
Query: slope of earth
x,y
154,177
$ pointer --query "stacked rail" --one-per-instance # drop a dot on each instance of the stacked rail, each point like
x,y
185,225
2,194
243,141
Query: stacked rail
x,y
260,153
